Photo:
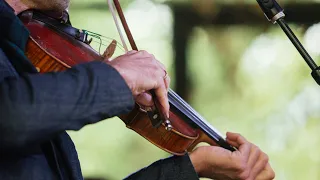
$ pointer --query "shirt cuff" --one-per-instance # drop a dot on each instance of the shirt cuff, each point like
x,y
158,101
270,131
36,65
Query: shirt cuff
x,y
183,168
172,168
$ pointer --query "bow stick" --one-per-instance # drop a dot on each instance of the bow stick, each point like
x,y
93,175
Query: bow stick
x,y
156,115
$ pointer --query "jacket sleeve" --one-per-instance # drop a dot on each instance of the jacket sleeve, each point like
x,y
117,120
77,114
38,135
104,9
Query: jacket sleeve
x,y
172,168
35,107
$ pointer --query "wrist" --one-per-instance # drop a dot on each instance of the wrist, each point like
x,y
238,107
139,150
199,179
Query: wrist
x,y
123,75
197,162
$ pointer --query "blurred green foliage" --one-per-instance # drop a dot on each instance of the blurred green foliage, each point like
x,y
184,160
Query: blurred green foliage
x,y
245,79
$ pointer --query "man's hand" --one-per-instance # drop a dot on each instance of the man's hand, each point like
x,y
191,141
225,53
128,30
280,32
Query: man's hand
x,y
142,72
248,163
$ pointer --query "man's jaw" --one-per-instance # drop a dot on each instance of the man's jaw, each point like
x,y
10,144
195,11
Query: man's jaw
x,y
17,5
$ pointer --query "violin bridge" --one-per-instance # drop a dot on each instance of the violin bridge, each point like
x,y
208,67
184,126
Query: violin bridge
x,y
108,53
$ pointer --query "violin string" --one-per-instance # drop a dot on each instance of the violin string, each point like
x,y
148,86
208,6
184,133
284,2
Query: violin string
x,y
108,44
182,107
104,44
96,35
103,40
199,120
111,7
202,119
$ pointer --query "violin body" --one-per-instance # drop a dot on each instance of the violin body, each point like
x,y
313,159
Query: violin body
x,y
52,50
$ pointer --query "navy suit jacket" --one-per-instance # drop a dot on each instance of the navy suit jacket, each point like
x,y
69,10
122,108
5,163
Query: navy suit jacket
x,y
37,109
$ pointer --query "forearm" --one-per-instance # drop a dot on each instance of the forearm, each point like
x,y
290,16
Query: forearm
x,y
175,168
36,106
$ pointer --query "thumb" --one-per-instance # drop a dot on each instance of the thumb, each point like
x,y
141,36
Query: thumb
x,y
144,99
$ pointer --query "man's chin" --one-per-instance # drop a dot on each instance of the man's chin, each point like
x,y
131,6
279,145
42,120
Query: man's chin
x,y
52,5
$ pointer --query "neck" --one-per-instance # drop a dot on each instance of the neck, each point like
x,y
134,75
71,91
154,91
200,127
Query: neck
x,y
17,5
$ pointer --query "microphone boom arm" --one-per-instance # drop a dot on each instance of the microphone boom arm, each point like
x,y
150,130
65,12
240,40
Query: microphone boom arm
x,y
275,14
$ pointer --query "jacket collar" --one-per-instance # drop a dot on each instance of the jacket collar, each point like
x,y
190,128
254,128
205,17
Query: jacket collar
x,y
12,28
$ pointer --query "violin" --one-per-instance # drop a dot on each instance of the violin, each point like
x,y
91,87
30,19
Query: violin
x,y
54,45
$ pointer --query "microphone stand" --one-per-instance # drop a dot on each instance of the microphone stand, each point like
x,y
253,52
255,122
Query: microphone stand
x,y
275,14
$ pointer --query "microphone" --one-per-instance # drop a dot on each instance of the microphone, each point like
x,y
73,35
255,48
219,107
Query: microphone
x,y
274,13
271,9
